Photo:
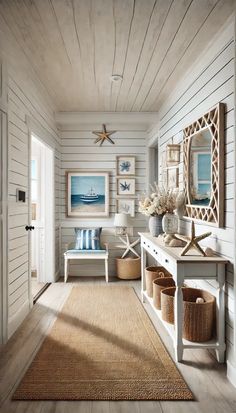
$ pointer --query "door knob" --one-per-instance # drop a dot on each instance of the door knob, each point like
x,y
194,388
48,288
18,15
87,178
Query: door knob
x,y
29,227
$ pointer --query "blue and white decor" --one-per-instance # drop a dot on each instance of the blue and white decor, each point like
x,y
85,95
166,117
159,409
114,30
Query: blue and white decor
x,y
125,165
87,194
88,238
125,186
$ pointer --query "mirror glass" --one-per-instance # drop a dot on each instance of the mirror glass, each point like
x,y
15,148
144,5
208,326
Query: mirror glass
x,y
200,168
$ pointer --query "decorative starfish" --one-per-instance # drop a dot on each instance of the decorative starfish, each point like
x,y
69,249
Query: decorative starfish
x,y
103,135
193,240
129,246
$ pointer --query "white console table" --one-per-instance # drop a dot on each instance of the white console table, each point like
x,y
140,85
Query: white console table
x,y
185,268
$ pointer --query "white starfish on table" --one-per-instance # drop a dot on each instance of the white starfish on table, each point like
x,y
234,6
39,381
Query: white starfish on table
x,y
129,246
193,240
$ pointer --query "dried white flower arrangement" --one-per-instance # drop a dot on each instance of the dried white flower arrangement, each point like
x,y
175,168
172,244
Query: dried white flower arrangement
x,y
159,202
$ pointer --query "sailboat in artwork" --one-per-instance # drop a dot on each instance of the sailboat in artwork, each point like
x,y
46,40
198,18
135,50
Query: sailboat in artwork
x,y
91,196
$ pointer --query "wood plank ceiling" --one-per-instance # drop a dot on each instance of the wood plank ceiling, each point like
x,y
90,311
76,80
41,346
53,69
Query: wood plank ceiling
x,y
74,46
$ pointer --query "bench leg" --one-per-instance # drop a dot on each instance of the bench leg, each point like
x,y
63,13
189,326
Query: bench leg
x,y
106,270
66,270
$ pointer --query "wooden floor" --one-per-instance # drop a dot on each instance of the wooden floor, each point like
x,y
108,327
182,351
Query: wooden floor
x,y
36,286
206,378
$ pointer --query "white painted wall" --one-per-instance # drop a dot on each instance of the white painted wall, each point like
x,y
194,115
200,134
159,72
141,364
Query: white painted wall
x,y
28,109
80,152
211,80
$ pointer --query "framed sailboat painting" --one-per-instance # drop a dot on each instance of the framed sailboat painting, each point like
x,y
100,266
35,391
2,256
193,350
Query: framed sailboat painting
x,y
87,194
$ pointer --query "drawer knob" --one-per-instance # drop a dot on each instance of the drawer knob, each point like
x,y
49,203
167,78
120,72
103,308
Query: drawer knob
x,y
166,260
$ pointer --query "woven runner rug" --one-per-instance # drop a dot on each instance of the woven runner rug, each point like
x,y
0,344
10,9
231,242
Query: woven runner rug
x,y
102,346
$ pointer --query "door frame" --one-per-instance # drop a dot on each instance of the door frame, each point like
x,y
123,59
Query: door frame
x,y
43,136
4,151
4,228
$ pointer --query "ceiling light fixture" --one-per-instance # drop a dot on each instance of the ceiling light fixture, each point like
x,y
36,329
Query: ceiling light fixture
x,y
116,78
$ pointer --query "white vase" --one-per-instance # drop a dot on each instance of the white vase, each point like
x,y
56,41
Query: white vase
x,y
155,225
170,223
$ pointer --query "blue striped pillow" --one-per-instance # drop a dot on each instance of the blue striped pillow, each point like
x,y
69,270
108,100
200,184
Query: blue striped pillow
x,y
87,238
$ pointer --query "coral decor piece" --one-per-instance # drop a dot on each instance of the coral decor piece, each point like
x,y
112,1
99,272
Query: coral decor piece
x,y
160,201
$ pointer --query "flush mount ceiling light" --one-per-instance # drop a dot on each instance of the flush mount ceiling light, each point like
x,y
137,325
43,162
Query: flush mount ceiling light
x,y
116,78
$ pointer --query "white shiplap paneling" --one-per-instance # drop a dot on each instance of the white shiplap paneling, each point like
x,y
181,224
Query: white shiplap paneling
x,y
22,106
211,81
80,152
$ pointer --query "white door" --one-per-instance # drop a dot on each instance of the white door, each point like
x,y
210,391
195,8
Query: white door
x,y
42,210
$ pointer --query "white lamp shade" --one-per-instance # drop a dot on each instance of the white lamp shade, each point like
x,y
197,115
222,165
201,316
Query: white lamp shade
x,y
121,220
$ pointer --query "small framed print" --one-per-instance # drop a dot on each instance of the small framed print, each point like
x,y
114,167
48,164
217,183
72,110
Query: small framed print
x,y
125,206
125,186
125,165
172,178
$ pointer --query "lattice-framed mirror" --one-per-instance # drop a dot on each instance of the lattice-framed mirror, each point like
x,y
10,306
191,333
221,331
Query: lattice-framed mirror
x,y
203,157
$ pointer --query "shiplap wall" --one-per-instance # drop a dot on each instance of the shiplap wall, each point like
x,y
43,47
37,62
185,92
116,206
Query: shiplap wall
x,y
21,104
80,152
28,108
212,81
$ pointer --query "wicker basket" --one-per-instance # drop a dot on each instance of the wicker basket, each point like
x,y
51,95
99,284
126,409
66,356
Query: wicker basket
x,y
158,285
128,268
151,273
199,318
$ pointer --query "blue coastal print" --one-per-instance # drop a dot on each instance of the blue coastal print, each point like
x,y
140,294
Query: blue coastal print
x,y
88,193
125,166
124,186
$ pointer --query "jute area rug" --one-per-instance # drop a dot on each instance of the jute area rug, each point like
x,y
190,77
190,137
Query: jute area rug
x,y
102,346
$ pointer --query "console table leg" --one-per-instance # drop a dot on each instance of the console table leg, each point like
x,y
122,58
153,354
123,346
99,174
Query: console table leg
x,y
65,270
220,314
178,313
143,266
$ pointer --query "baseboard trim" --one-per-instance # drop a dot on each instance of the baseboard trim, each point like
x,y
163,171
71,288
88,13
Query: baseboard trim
x,y
231,373
57,275
16,320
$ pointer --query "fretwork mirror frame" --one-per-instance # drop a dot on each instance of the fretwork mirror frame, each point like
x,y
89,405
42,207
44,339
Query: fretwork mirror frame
x,y
213,213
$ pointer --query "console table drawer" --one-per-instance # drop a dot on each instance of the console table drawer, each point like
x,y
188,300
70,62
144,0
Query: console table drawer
x,y
159,256
170,265
150,247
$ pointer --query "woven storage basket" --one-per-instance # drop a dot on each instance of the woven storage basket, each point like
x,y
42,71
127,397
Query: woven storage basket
x,y
151,273
158,285
128,268
199,318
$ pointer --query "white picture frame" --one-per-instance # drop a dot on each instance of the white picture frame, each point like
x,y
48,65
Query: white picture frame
x,y
125,186
125,165
87,194
172,178
125,206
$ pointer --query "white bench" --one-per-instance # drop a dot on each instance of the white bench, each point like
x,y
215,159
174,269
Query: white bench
x,y
73,254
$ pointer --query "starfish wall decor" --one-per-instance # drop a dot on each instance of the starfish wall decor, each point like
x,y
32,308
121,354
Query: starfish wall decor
x,y
193,240
103,135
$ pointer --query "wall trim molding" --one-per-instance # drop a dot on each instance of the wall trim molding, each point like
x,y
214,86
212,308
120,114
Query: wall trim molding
x,y
76,118
231,373
3,86
41,133
15,321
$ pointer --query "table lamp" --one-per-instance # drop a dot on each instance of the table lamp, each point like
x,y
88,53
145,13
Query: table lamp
x,y
121,222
